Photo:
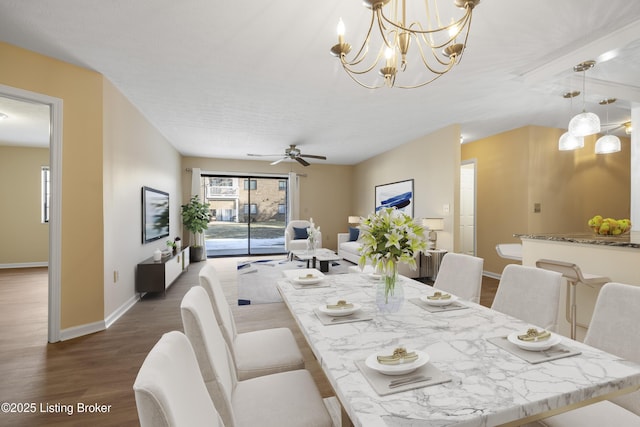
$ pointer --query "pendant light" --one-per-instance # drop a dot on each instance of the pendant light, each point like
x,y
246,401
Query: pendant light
x,y
567,141
584,123
608,143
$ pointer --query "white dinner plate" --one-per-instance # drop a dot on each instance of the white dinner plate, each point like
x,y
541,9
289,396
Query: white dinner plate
x,y
400,369
534,345
304,276
438,302
337,312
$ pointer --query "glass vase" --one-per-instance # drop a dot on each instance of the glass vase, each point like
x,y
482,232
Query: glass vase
x,y
311,246
389,293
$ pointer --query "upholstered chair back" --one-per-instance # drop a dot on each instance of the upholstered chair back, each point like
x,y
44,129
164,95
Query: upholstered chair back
x,y
216,364
460,275
530,294
169,389
210,281
614,329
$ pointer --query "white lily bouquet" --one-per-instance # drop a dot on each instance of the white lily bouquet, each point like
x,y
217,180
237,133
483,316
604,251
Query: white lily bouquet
x,y
389,237
312,236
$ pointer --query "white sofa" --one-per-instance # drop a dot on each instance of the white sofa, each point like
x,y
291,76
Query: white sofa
x,y
350,251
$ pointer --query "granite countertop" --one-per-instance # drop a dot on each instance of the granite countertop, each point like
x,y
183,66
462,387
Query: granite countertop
x,y
625,241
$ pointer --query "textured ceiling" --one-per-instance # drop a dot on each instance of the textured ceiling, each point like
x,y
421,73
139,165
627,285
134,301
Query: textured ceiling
x,y
223,79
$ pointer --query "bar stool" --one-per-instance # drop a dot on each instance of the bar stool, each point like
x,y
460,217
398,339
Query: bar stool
x,y
510,251
574,275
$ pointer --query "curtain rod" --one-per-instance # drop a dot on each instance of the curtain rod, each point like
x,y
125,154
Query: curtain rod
x,y
242,174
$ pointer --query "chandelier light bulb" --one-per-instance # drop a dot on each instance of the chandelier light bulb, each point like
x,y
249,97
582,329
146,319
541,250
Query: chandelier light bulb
x,y
340,30
569,142
584,124
608,144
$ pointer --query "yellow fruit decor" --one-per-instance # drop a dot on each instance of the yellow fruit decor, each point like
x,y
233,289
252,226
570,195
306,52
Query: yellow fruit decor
x,y
609,226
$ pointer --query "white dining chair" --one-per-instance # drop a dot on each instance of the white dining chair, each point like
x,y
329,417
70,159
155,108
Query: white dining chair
x,y
460,275
169,389
530,294
614,329
255,353
286,398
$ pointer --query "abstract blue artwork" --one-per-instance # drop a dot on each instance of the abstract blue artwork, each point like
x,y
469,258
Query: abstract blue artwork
x,y
397,195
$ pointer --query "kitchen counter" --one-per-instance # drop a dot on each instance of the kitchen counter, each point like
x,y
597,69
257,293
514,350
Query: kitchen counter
x,y
624,241
615,257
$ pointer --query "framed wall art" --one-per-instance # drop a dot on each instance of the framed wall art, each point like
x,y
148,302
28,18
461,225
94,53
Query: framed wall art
x,y
397,195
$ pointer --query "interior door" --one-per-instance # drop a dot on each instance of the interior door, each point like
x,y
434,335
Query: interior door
x,y
468,208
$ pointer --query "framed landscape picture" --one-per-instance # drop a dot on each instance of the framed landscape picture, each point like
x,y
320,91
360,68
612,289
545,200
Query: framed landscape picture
x,y
398,195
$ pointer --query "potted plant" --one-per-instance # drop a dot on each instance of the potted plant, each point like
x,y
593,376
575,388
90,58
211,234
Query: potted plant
x,y
195,217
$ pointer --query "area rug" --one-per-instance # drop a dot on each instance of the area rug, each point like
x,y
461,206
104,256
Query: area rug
x,y
257,280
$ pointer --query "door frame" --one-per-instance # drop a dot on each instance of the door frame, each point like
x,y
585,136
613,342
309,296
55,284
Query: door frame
x,y
55,209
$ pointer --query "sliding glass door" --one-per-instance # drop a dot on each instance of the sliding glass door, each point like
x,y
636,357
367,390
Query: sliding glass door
x,y
248,215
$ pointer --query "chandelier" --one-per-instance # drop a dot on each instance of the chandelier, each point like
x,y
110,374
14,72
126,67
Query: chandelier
x,y
438,46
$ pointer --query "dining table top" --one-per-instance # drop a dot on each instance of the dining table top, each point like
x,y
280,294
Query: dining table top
x,y
486,385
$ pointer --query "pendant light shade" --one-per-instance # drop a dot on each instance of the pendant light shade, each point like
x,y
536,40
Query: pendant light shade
x,y
584,124
569,142
608,144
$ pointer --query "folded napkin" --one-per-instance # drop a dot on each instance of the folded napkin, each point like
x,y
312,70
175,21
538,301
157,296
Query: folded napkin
x,y
340,304
400,355
535,335
439,295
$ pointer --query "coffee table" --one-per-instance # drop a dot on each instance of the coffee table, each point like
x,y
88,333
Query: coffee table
x,y
322,255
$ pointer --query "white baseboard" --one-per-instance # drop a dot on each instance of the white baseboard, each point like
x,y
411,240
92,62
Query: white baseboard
x,y
26,265
492,275
78,331
111,319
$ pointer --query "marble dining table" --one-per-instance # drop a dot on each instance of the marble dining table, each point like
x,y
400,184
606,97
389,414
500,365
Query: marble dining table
x,y
487,385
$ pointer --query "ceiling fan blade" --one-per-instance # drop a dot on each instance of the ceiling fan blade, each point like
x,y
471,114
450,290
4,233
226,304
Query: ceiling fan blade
x,y
263,155
302,161
313,156
278,161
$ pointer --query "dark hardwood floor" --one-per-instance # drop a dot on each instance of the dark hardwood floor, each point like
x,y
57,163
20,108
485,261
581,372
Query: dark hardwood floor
x,y
101,368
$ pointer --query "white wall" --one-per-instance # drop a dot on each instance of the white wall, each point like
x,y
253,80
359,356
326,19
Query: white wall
x,y
135,155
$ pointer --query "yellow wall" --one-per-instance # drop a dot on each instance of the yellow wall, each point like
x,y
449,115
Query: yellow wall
x,y
519,168
20,208
433,162
326,192
82,218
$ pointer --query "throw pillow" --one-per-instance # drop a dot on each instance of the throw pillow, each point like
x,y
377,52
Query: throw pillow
x,y
300,233
354,233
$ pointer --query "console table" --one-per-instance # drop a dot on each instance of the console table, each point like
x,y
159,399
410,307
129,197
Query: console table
x,y
157,276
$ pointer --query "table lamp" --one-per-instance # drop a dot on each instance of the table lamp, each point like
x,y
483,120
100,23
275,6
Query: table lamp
x,y
433,225
354,219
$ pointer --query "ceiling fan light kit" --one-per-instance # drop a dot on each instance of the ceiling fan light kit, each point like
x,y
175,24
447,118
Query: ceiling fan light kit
x,y
438,46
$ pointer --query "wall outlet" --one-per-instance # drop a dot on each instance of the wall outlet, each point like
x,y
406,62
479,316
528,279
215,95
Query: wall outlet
x,y
445,208
537,208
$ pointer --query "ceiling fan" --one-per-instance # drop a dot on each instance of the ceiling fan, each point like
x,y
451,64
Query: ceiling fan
x,y
293,153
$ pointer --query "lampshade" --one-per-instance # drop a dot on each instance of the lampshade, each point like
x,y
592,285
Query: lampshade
x,y
433,224
608,144
354,219
584,124
570,142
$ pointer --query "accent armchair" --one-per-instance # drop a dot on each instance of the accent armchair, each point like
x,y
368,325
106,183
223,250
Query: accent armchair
x,y
291,243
